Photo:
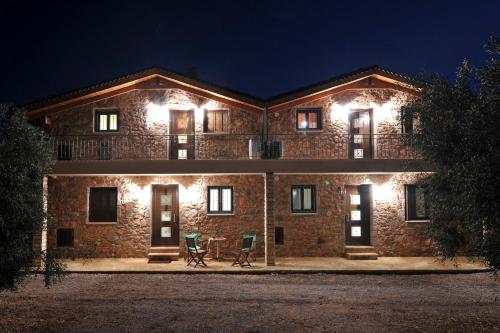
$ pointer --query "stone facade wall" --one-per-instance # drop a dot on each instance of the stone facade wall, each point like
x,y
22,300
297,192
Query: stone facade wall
x,y
317,234
143,129
323,234
131,235
331,141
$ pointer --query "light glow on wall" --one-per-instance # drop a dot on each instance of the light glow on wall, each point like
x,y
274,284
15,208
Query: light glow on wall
x,y
160,113
191,194
139,194
384,111
383,192
210,105
198,114
157,113
341,112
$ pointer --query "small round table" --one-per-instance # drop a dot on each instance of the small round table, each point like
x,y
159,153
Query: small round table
x,y
216,240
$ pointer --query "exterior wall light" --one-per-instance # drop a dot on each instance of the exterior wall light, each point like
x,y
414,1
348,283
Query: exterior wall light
x,y
341,192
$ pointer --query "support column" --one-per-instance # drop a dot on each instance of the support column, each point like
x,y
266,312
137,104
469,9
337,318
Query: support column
x,y
269,219
45,210
39,240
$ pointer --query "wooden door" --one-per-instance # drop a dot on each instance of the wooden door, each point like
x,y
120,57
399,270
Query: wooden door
x,y
358,212
360,134
165,221
182,131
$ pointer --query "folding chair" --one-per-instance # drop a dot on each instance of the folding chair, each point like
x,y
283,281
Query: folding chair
x,y
242,256
196,254
254,244
195,236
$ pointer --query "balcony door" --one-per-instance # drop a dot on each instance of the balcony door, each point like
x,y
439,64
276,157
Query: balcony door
x,y
360,134
358,215
182,135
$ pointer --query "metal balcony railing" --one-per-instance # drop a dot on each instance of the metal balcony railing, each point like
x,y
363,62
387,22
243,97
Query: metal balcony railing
x,y
230,147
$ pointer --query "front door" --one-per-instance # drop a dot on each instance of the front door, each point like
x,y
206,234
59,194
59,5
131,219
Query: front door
x,y
358,209
182,130
165,222
360,134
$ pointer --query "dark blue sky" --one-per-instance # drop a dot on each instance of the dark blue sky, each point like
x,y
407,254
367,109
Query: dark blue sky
x,y
260,48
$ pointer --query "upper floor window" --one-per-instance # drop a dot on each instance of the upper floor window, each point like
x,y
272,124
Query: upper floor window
x,y
416,203
107,120
220,199
103,204
308,119
409,124
303,198
216,121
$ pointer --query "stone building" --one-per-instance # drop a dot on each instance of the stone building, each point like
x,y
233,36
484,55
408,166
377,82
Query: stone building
x,y
320,171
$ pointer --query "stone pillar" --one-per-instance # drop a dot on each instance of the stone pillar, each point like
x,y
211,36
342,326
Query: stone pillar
x,y
39,240
269,218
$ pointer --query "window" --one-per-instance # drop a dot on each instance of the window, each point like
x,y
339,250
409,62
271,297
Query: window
x,y
279,236
416,203
308,119
216,121
65,237
303,198
102,204
220,199
409,124
107,121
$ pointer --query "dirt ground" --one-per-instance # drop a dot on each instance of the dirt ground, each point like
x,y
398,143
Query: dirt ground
x,y
255,303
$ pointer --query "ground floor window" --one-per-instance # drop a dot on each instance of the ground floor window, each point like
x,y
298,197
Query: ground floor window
x,y
220,199
103,204
303,198
416,203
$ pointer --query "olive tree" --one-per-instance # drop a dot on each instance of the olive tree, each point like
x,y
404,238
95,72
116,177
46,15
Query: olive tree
x,y
25,158
458,132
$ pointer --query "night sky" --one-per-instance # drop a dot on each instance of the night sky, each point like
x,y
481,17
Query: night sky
x,y
259,48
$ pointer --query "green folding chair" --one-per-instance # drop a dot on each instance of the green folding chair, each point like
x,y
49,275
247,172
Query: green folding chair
x,y
241,257
254,242
195,236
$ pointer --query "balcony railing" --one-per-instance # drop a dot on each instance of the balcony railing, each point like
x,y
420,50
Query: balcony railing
x,y
230,147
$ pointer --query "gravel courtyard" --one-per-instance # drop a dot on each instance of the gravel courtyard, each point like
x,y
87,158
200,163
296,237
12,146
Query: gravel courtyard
x,y
255,303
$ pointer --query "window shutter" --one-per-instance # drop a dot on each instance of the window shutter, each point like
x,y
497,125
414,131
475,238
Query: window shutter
x,y
103,204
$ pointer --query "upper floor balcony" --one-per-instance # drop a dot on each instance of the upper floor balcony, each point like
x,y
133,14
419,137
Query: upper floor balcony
x,y
300,146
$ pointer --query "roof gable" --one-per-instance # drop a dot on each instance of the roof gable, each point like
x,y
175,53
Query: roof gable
x,y
157,78
364,78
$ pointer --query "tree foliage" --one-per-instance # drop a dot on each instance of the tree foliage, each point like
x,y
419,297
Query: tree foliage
x,y
459,134
25,158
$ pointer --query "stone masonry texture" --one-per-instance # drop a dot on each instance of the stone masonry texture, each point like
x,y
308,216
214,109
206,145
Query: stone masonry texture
x,y
318,234
131,235
142,136
142,130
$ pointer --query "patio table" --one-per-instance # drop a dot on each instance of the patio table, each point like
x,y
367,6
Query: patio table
x,y
216,240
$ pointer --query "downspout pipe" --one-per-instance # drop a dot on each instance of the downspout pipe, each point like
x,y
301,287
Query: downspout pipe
x,y
264,125
264,131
